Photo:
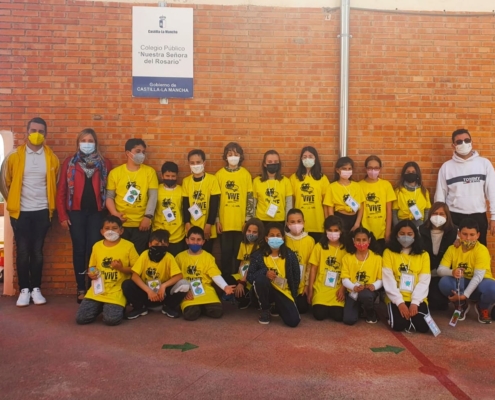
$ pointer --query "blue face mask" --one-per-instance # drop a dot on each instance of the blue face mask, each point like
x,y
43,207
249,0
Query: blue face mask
x,y
195,247
275,242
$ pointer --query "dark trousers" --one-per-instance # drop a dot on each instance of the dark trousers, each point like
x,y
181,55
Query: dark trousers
x,y
30,230
399,323
366,298
213,310
347,220
208,246
85,232
436,300
267,295
480,218
229,243
139,238
176,248
321,312
302,304
139,299
316,235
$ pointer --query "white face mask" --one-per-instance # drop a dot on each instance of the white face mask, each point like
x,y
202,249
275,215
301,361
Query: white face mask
x,y
87,148
296,229
308,162
111,236
197,169
464,149
345,174
438,220
233,160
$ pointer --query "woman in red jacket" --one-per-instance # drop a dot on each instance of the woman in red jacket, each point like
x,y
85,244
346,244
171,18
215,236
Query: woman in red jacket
x,y
81,199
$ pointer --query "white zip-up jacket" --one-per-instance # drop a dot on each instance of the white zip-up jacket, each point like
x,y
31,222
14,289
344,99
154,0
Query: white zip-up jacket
x,y
465,185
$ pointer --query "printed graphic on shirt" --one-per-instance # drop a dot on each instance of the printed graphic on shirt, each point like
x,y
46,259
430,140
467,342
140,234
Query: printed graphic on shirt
x,y
307,194
192,270
233,189
362,277
168,203
332,262
133,184
411,203
468,271
373,204
152,273
111,275
403,267
272,196
467,179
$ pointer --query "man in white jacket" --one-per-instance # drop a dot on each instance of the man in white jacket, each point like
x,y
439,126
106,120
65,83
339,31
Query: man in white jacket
x,y
466,182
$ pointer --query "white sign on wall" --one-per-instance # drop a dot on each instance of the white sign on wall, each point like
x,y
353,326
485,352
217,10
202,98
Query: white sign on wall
x,y
162,52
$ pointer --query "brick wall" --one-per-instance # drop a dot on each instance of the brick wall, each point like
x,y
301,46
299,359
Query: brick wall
x,y
265,77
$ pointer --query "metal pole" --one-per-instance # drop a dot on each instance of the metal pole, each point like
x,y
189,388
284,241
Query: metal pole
x,y
345,9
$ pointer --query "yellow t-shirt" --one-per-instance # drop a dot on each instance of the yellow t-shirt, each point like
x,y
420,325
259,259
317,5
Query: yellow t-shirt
x,y
337,194
364,273
327,260
170,198
234,188
269,192
200,193
405,199
308,195
476,258
243,256
101,258
149,270
376,197
278,265
120,179
414,265
200,267
303,249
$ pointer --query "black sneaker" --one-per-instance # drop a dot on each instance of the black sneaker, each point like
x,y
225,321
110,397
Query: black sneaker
x,y
274,311
264,318
464,309
371,317
244,303
493,313
136,313
169,312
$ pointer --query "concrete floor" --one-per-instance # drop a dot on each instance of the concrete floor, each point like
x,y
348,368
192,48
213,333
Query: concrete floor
x,y
45,355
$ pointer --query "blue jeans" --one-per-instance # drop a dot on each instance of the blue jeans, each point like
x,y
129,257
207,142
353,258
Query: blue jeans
x,y
484,293
85,232
30,230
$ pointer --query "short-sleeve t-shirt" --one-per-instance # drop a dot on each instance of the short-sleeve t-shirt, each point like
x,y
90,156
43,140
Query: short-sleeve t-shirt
x,y
234,188
200,267
337,195
406,199
308,195
170,200
270,192
327,260
120,180
363,272
476,258
101,258
200,193
278,265
303,249
376,197
150,271
400,263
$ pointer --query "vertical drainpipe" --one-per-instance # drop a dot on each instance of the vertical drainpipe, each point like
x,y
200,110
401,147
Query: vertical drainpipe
x,y
345,9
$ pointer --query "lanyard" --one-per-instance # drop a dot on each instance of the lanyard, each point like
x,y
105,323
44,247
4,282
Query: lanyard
x,y
197,259
269,188
199,191
365,258
335,255
275,263
405,263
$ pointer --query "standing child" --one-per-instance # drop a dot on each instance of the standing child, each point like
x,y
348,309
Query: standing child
x,y
325,291
168,214
236,204
302,245
109,266
200,269
344,198
362,276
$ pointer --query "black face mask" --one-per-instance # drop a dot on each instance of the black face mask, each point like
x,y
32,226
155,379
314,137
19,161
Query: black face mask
x,y
410,178
156,253
272,168
170,182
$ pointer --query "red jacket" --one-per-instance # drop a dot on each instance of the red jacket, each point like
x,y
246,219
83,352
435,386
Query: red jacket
x,y
79,179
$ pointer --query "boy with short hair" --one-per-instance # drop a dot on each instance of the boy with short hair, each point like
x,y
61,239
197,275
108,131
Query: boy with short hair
x,y
466,273
168,213
200,198
200,269
109,266
131,194
156,280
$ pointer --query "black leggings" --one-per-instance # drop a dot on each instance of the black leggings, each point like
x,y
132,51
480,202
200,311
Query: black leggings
x,y
347,220
321,312
399,323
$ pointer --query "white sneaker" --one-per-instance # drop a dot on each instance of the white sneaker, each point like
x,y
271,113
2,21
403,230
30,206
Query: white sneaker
x,y
24,297
37,297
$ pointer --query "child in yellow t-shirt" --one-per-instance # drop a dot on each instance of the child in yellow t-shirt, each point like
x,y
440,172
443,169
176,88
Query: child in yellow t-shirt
x,y
200,269
156,280
109,266
302,245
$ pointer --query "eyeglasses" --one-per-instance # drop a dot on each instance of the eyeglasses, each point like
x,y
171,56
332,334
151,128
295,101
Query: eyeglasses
x,y
372,169
459,142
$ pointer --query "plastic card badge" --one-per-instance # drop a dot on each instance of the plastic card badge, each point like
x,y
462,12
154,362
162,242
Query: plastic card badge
x,y
132,195
432,325
455,318
154,285
352,203
280,282
272,210
415,212
301,269
331,279
98,285
353,295
195,212
169,214
197,288
406,282
243,270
